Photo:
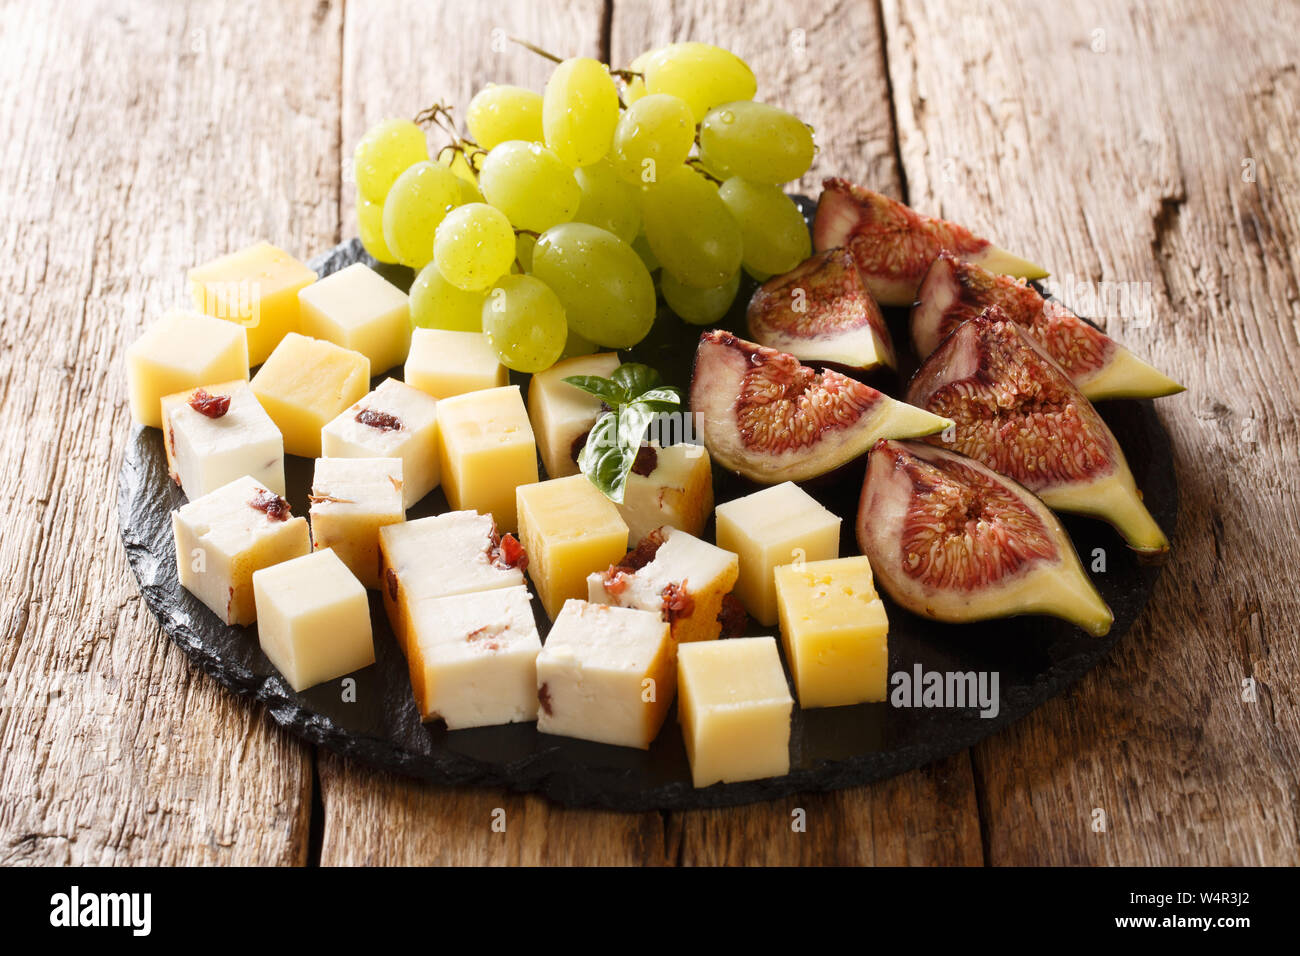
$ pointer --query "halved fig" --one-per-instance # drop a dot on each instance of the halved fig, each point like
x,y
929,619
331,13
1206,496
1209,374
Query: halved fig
x,y
952,540
765,416
955,290
1016,411
822,311
894,245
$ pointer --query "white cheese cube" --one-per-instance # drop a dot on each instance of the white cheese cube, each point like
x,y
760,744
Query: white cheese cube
x,y
226,536
360,310
444,363
182,350
215,434
351,499
562,414
473,658
393,421
313,619
606,674
676,489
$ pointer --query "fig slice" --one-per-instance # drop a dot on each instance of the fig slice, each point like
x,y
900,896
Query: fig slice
x,y
1016,411
952,540
821,310
894,245
767,417
955,290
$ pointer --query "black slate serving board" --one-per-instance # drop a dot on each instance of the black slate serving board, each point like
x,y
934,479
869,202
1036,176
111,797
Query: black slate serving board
x,y
1035,657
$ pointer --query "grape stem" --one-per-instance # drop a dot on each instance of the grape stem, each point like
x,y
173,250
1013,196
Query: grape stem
x,y
536,49
440,116
527,232
694,163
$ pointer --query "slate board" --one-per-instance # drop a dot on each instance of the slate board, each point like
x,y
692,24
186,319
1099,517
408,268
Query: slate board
x,y
1035,657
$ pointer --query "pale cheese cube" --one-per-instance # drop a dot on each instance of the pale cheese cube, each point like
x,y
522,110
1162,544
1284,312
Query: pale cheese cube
x,y
677,491
313,619
606,674
393,421
473,658
306,383
734,707
223,538
351,499
561,413
444,363
181,350
486,449
360,310
217,433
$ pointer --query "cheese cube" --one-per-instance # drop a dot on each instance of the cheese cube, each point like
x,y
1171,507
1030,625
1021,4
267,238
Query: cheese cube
x,y
393,421
313,619
734,707
255,288
217,433
446,363
678,491
834,630
351,499
569,530
360,310
674,574
606,674
562,414
453,553
226,536
181,350
473,658
486,450
304,384
778,525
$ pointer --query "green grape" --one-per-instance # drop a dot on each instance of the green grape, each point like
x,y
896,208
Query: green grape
x,y
530,185
386,151
416,204
497,114
634,89
656,132
524,322
580,111
699,306
607,291
608,201
701,74
642,248
524,244
772,229
474,246
576,345
437,304
370,224
690,230
757,142
454,159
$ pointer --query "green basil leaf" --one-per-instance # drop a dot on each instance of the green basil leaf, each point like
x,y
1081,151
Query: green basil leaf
x,y
611,393
635,379
665,395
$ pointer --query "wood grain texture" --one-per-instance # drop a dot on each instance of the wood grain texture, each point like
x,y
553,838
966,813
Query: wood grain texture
x,y
1116,144
138,139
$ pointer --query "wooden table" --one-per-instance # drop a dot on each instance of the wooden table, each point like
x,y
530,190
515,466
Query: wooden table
x,y
1145,152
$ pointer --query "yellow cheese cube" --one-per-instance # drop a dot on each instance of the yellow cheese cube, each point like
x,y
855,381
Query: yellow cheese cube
x,y
569,530
304,384
561,413
180,351
486,450
256,288
775,526
834,630
360,310
734,707
446,363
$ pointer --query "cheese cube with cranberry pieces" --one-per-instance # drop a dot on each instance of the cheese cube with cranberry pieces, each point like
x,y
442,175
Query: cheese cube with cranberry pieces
x,y
351,499
779,525
255,288
835,632
473,658
305,384
668,486
393,421
180,351
486,450
360,310
569,530
226,536
457,552
217,433
563,414
606,674
313,619
675,575
734,708
444,363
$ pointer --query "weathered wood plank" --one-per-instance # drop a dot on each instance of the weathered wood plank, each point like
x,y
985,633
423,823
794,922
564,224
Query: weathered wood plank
x,y
138,139
1148,149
